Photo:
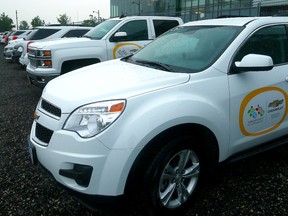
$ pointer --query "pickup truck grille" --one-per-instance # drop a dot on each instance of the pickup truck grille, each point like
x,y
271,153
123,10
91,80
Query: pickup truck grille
x,y
50,108
32,52
43,134
31,56
33,63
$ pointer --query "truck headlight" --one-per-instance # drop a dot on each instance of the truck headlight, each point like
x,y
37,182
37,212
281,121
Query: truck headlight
x,y
44,53
45,63
91,119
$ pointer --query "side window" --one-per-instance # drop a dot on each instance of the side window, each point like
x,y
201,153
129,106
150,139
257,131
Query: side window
x,y
18,32
75,33
136,30
43,33
161,26
271,41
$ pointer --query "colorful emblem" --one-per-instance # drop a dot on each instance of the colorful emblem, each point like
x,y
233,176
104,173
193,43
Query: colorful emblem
x,y
262,111
124,49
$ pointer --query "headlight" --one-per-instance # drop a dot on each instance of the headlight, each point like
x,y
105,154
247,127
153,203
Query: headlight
x,y
91,119
45,63
44,53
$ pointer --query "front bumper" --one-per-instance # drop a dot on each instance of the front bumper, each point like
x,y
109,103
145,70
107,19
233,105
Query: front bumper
x,y
84,166
16,56
8,54
40,76
91,201
23,60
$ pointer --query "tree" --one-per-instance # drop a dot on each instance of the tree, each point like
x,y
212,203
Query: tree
x,y
36,21
23,25
90,22
63,19
6,23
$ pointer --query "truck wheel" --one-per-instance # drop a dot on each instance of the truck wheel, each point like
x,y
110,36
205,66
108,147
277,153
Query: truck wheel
x,y
173,176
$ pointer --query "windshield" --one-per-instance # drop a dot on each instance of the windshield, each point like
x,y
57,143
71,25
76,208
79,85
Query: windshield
x,y
101,30
187,49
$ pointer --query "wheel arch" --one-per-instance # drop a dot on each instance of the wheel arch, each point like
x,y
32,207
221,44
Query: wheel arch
x,y
209,149
73,64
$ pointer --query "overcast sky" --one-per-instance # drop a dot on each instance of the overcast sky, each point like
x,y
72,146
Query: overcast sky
x,y
49,10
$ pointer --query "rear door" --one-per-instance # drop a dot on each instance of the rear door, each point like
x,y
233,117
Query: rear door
x,y
161,26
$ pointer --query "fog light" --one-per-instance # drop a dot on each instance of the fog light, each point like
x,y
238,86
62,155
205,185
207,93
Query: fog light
x,y
80,173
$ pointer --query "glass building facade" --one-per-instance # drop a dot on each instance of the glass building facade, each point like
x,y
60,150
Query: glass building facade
x,y
190,10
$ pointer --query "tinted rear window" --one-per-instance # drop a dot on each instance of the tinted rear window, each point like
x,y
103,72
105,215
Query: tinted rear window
x,y
18,32
162,26
43,33
76,33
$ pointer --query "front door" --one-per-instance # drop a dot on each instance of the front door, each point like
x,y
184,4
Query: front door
x,y
134,36
258,99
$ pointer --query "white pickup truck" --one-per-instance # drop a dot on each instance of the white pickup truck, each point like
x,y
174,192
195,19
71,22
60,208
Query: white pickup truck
x,y
111,39
149,127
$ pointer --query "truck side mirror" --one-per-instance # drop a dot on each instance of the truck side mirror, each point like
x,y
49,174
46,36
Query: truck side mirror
x,y
118,36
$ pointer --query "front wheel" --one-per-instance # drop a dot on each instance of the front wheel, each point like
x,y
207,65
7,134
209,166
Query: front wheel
x,y
173,176
178,179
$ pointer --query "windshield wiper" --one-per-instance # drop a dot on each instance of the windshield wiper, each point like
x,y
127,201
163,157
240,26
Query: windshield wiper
x,y
127,58
155,64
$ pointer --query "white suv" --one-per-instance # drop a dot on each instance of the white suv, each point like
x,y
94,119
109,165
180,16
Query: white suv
x,y
150,126
50,33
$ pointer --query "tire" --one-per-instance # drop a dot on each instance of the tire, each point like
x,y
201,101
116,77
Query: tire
x,y
173,177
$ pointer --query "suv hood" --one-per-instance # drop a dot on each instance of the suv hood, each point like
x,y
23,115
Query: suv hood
x,y
62,43
106,81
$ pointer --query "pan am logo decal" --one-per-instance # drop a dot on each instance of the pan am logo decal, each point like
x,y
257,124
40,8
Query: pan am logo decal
x,y
262,111
124,49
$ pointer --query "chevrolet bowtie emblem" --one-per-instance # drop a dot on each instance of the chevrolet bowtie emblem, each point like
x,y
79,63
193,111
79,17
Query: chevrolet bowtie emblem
x,y
35,116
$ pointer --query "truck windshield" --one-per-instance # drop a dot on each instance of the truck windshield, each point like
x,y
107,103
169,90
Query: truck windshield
x,y
101,30
187,49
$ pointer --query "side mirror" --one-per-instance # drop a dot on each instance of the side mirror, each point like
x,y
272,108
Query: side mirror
x,y
253,62
118,36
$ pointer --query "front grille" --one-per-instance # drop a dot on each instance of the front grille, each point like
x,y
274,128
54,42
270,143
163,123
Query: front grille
x,y
51,108
32,52
33,63
43,133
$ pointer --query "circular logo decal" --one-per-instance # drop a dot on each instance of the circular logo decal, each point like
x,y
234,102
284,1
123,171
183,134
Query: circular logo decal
x,y
124,49
262,111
